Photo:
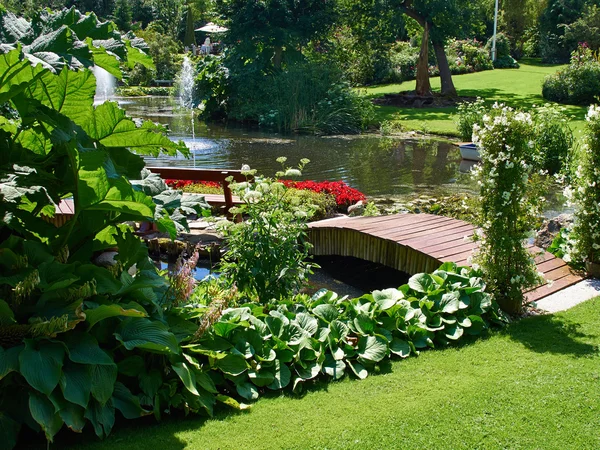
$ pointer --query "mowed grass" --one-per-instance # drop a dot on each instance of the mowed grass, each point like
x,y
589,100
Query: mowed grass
x,y
521,88
533,385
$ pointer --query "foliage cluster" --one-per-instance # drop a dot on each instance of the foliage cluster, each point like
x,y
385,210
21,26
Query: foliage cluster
x,y
267,253
468,115
468,55
504,60
74,336
579,83
459,206
142,91
293,342
510,203
584,193
305,97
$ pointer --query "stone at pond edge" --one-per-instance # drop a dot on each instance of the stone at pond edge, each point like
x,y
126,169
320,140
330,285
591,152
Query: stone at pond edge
x,y
356,209
550,229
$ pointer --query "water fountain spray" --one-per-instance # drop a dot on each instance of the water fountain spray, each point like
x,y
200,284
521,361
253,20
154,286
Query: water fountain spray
x,y
186,92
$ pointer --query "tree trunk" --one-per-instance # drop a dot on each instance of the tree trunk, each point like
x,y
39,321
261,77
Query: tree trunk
x,y
423,85
448,88
278,57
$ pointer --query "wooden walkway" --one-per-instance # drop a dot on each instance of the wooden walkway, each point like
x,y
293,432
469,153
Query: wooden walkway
x,y
416,243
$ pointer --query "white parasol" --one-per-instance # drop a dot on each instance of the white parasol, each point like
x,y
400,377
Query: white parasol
x,y
212,28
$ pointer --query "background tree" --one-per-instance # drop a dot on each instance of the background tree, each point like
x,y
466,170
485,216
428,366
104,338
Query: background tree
x,y
122,15
190,34
275,26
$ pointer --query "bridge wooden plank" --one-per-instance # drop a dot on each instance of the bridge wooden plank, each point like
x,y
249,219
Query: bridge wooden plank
x,y
544,291
551,264
426,229
455,242
425,240
404,220
443,254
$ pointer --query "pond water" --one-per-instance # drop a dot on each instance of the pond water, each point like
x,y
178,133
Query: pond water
x,y
384,168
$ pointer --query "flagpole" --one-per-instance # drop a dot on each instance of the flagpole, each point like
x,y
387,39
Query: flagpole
x,y
495,30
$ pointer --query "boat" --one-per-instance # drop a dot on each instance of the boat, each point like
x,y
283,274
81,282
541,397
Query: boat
x,y
469,151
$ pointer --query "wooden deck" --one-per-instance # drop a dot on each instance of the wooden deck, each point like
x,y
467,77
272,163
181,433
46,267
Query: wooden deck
x,y
416,243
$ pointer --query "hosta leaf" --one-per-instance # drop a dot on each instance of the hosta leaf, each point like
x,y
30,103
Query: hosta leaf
x,y
101,416
148,335
229,401
262,378
131,366
464,322
450,303
150,382
334,368
75,383
127,403
187,377
358,369
326,312
364,324
73,416
9,360
83,348
95,315
43,412
311,370
307,323
400,347
247,390
338,330
41,363
103,382
421,282
282,376
232,364
477,325
387,298
420,337
372,348
454,332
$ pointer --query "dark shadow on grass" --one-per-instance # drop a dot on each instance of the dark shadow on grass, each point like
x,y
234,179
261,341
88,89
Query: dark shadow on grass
x,y
552,334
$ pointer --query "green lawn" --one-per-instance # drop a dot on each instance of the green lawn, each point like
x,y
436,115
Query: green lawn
x,y
516,87
534,385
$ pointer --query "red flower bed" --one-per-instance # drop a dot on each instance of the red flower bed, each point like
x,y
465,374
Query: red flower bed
x,y
344,194
180,184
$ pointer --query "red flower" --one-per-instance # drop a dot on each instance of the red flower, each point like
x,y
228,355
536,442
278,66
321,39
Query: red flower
x,y
344,194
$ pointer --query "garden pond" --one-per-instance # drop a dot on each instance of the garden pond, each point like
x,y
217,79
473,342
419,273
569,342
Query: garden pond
x,y
386,169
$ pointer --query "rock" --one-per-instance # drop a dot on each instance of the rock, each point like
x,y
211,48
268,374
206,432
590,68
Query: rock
x,y
106,259
356,209
550,229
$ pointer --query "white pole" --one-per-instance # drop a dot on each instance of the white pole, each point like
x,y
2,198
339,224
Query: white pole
x,y
495,30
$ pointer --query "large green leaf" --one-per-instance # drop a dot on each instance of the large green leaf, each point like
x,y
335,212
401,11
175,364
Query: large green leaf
x,y
16,74
148,335
187,376
372,348
334,368
283,376
9,360
76,383
41,363
95,315
101,416
450,303
387,298
326,312
421,282
232,364
103,382
73,416
43,412
400,347
127,403
247,390
83,348
358,369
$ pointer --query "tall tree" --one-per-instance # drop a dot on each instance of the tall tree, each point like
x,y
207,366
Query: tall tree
x,y
190,34
443,19
275,26
122,15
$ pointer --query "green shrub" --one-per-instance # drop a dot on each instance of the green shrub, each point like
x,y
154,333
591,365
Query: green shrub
x,y
468,56
323,204
579,83
404,60
468,115
553,137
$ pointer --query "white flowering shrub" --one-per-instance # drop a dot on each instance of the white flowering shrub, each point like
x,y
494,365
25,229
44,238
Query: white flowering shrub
x,y
584,194
510,203
267,252
468,115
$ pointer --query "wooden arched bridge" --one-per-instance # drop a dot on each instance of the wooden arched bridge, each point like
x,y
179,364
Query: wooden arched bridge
x,y
416,243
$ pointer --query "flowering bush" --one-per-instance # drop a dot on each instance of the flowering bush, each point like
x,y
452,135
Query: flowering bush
x,y
510,203
180,184
344,194
553,137
267,252
584,193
